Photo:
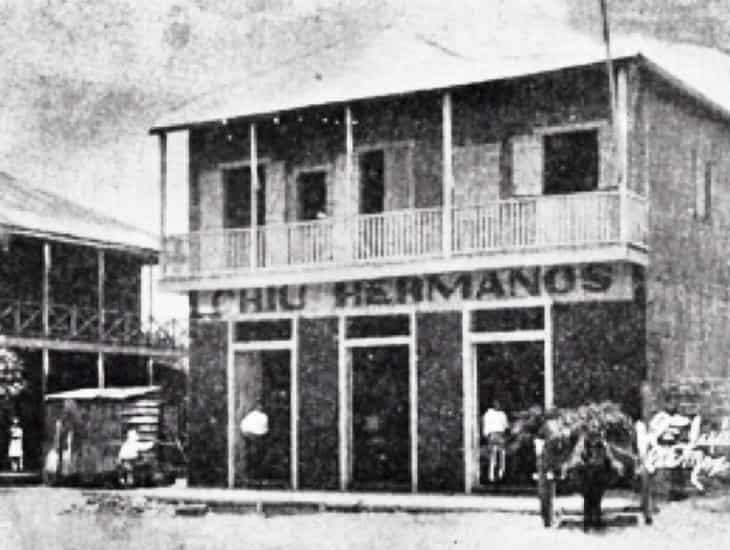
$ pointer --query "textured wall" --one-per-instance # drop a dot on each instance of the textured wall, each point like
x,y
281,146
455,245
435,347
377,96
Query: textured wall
x,y
600,353
440,403
687,286
318,404
208,416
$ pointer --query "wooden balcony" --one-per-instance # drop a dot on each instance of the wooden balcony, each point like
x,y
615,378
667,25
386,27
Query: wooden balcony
x,y
72,324
553,223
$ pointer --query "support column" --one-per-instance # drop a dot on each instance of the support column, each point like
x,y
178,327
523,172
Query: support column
x,y
230,406
254,163
163,197
548,357
100,280
100,375
150,372
621,131
348,211
45,306
447,173
46,289
46,369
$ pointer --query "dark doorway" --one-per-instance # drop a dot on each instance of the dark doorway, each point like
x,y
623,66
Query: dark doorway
x,y
511,374
571,162
237,197
372,182
263,383
312,192
380,418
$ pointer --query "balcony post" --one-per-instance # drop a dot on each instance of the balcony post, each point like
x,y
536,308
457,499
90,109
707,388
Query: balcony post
x,y
621,130
447,173
253,166
348,212
163,197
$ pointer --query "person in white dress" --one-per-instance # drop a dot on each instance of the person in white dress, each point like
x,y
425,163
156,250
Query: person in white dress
x,y
15,449
494,426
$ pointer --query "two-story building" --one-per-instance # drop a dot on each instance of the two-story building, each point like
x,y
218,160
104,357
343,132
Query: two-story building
x,y
383,242
70,304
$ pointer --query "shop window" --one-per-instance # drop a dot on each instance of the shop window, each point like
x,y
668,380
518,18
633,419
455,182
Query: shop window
x,y
256,331
571,162
507,320
371,326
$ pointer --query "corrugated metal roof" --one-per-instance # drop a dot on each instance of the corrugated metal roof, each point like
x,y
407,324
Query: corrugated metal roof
x,y
398,61
111,394
25,208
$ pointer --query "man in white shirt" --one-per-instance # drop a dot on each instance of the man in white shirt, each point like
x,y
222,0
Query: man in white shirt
x,y
254,428
494,426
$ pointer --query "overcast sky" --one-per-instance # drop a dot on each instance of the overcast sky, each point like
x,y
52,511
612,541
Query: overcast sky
x,y
81,81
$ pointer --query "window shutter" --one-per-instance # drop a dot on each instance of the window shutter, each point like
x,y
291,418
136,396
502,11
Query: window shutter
x,y
476,174
210,184
398,177
275,193
607,159
527,165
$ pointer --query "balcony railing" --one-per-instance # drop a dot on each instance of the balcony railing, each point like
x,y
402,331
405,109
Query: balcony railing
x,y
24,319
529,223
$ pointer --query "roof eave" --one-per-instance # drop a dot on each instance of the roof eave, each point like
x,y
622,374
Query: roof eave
x,y
682,86
181,126
137,250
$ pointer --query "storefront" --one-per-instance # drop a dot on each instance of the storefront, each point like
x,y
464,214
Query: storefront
x,y
382,384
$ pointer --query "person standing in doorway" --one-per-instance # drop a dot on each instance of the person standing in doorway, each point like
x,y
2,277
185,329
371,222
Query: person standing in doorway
x,y
254,428
15,449
494,427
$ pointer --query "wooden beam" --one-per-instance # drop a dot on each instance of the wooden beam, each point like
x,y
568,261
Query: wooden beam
x,y
447,175
253,166
87,347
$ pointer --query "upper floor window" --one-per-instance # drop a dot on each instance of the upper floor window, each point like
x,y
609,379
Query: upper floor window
x,y
559,160
570,162
703,174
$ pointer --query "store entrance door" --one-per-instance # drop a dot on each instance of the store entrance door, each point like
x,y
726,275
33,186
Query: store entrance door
x,y
380,418
263,418
510,379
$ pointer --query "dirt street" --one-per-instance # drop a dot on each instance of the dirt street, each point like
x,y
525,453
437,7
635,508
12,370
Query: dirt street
x,y
49,519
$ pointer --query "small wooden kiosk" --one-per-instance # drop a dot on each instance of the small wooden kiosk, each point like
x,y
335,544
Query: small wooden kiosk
x,y
85,429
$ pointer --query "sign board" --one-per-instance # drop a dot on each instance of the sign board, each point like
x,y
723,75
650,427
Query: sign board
x,y
562,283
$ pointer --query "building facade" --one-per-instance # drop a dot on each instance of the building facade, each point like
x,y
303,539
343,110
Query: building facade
x,y
374,271
70,284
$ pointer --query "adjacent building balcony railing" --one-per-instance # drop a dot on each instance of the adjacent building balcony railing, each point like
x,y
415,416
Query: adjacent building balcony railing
x,y
529,223
24,319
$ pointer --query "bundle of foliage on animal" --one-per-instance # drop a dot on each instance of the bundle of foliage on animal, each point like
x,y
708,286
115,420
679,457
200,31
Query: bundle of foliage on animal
x,y
12,379
590,446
